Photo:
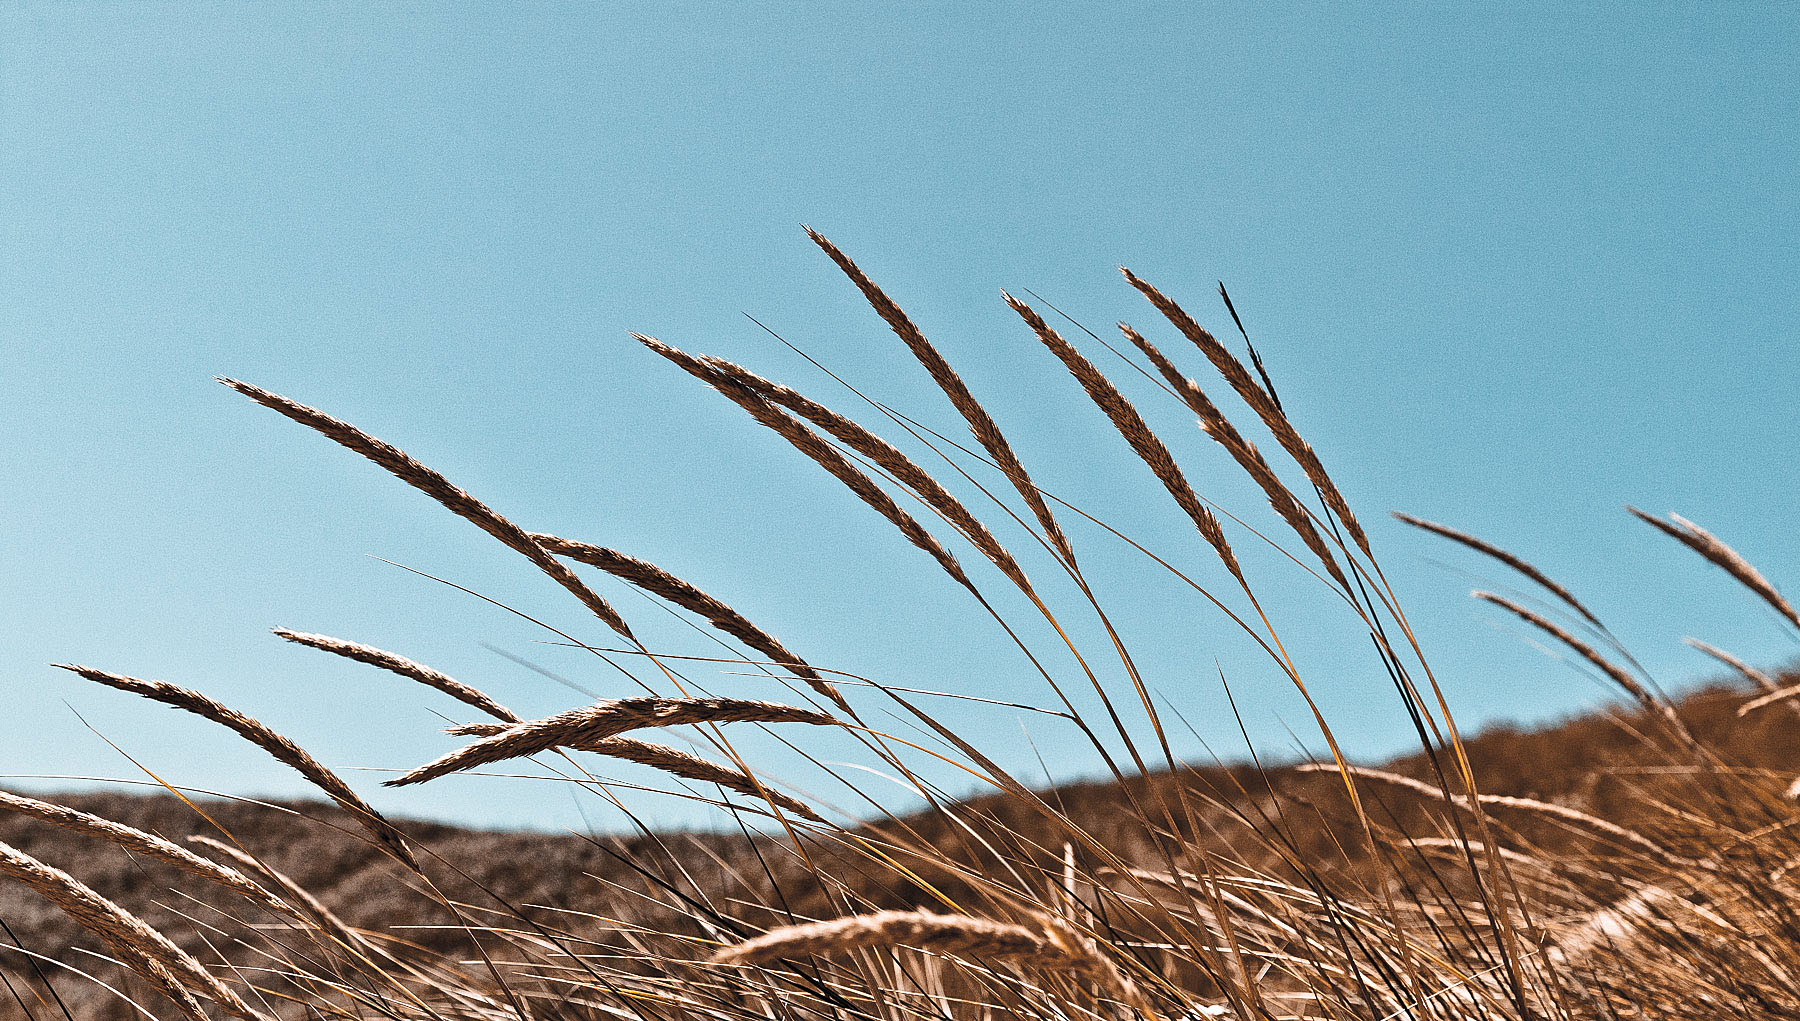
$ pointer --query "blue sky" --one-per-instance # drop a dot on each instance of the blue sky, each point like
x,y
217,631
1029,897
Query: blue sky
x,y
1512,267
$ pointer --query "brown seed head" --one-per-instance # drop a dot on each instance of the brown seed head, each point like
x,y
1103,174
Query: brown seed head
x,y
588,724
1260,402
404,667
254,731
408,470
981,424
1137,433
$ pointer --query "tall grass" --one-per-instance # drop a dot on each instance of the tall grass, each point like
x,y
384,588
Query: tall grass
x,y
1377,896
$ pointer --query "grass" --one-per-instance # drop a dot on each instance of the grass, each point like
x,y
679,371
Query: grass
x,y
1655,881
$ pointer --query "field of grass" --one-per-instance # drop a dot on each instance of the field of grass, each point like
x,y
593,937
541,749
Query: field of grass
x,y
1628,864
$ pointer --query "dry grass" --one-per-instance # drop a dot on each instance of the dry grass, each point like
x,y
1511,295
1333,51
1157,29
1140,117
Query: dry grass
x,y
1131,425
1261,402
1049,946
1612,671
583,727
1638,866
408,470
673,761
172,970
981,424
137,841
655,580
812,445
1281,499
254,731
1510,559
1713,549
886,456
404,667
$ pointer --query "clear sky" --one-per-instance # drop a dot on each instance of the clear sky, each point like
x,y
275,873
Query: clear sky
x,y
1513,266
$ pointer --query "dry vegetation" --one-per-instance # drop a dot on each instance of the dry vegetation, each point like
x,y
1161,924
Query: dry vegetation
x,y
1633,864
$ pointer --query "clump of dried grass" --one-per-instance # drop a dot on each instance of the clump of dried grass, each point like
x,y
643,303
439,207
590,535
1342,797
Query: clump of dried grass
x,y
148,952
294,897
1562,813
1183,899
